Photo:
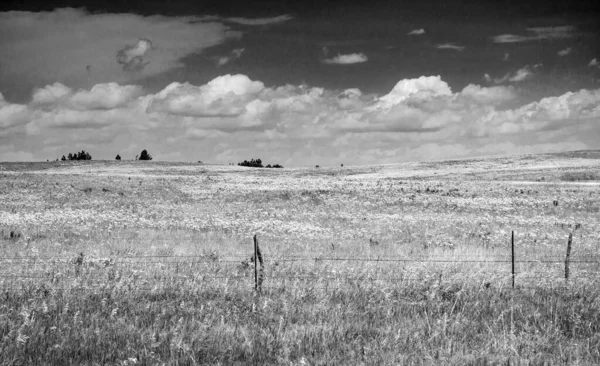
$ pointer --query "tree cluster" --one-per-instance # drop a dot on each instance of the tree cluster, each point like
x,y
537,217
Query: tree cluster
x,y
82,155
257,163
144,155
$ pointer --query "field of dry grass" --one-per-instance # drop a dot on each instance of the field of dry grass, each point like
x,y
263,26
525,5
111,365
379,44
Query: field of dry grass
x,y
105,262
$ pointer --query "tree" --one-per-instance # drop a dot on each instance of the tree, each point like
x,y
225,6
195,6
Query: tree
x,y
63,158
70,156
254,163
118,157
145,156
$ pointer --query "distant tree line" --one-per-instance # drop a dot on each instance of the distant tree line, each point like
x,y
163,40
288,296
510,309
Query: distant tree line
x,y
257,163
82,155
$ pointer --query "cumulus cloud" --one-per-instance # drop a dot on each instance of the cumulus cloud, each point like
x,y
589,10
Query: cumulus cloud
x,y
236,117
564,52
225,96
449,46
594,63
101,96
353,58
259,21
416,32
492,95
538,33
425,85
132,56
39,49
11,115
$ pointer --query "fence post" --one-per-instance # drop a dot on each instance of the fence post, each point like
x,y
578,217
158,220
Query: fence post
x,y
512,241
255,263
258,278
568,258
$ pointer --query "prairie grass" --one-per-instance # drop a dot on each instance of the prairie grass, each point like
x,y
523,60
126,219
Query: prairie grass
x,y
406,264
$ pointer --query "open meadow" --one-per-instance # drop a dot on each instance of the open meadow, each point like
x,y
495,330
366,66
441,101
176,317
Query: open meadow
x,y
149,263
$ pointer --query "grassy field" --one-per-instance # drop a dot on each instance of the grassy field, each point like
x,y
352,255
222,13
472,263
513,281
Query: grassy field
x,y
131,262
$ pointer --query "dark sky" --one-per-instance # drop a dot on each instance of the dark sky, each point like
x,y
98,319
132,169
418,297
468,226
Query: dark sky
x,y
53,54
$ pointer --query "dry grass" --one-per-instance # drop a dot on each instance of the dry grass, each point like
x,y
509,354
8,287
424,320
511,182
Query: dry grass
x,y
164,276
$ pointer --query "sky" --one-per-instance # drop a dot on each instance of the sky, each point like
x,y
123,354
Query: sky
x,y
298,83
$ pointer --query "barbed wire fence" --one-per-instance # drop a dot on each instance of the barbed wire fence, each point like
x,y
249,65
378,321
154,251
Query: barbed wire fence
x,y
66,273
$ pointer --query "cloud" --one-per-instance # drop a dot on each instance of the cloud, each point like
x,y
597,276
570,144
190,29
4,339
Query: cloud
x,y
564,52
236,117
50,93
353,58
259,21
78,48
506,56
522,74
101,96
11,115
225,96
132,56
492,95
416,32
429,85
537,34
594,63
234,55
449,46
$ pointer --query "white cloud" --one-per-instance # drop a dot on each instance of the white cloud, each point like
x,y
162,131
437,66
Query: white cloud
x,y
132,56
236,118
565,52
225,96
594,63
11,115
51,93
449,46
234,55
429,85
416,32
101,96
78,48
506,56
491,95
538,33
353,58
259,21
522,74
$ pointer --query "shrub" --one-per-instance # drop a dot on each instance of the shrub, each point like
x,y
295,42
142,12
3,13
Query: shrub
x,y
145,156
252,163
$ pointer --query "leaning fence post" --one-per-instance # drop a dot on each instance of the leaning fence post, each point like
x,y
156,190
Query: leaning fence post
x,y
568,258
512,241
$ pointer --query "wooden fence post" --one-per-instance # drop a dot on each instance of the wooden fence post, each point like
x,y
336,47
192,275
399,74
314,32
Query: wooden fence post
x,y
568,258
512,241
258,278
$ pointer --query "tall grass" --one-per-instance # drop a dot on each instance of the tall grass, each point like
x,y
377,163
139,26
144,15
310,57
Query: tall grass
x,y
155,268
